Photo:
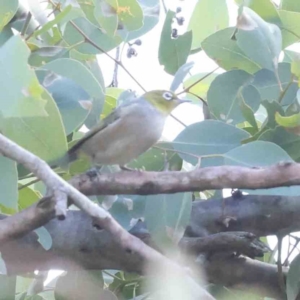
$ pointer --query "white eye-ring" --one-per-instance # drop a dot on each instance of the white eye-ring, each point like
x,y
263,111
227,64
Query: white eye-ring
x,y
168,96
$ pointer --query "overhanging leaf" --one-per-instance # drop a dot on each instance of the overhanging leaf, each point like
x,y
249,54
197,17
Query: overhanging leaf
x,y
7,11
180,75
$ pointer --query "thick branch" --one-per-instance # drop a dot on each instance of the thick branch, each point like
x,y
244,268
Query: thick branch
x,y
210,178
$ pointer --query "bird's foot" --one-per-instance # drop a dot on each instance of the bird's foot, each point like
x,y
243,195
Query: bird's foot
x,y
93,172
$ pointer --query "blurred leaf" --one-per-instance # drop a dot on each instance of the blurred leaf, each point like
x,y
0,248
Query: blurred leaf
x,y
292,279
5,35
180,75
265,82
272,108
9,183
44,237
290,27
58,18
7,11
18,82
204,24
226,93
167,216
7,287
80,285
226,53
289,121
102,40
260,154
253,30
201,88
173,52
112,94
44,55
290,5
266,9
208,138
43,136
27,197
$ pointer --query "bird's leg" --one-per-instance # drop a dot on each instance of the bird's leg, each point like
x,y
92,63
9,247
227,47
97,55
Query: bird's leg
x,y
93,172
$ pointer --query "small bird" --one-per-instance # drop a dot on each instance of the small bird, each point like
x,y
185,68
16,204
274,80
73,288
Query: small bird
x,y
130,130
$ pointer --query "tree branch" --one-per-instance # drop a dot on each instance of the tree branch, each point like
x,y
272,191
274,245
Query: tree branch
x,y
210,178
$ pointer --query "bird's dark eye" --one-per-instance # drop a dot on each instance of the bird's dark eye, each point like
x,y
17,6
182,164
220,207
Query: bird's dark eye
x,y
168,96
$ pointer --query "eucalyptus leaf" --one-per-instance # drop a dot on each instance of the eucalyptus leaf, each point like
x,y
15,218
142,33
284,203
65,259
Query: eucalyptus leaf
x,y
173,52
7,11
226,53
217,19
253,30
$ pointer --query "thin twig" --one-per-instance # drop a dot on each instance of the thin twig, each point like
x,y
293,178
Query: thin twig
x,y
115,74
26,23
186,90
164,6
279,264
282,94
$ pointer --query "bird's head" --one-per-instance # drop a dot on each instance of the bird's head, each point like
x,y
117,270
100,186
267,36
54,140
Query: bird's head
x,y
164,101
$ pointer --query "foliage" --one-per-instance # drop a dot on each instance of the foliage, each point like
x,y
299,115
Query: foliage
x,y
51,85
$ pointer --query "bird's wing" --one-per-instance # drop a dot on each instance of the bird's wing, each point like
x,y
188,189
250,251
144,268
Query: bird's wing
x,y
110,119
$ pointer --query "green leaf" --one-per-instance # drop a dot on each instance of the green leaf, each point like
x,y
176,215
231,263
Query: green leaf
x,y
253,30
102,40
7,11
7,287
180,75
287,121
112,94
292,279
58,18
226,53
129,13
266,9
289,142
168,215
173,52
9,183
290,27
23,93
291,5
201,88
80,285
44,237
151,11
208,138
226,93
260,154
216,19
27,197
43,136
266,83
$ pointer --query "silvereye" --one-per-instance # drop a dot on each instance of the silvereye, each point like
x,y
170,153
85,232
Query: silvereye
x,y
130,130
